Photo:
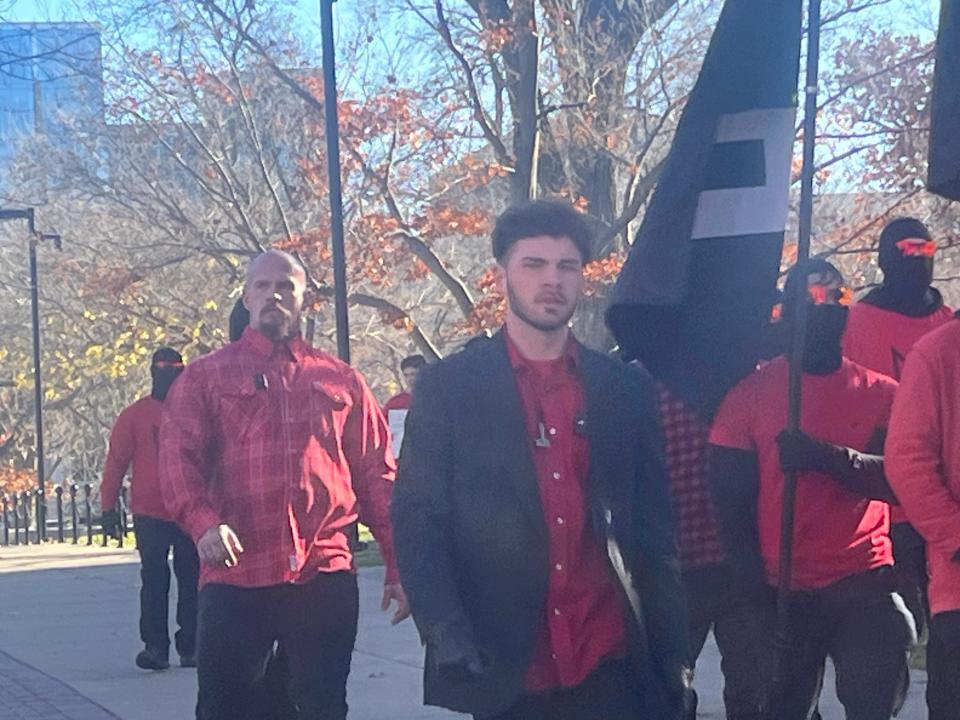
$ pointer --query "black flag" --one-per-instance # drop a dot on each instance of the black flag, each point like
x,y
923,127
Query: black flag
x,y
700,280
944,168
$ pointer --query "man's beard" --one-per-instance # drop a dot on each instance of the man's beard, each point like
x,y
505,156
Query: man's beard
x,y
520,310
279,326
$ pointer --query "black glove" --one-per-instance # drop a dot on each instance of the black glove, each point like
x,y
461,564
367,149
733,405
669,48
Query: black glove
x,y
454,652
801,453
110,520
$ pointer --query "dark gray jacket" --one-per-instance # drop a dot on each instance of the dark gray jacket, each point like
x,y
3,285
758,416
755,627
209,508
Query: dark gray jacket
x,y
470,535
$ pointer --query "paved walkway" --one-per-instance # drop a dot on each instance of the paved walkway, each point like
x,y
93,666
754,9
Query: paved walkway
x,y
29,694
68,636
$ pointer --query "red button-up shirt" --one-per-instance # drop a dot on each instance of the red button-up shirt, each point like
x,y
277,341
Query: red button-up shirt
x,y
284,444
583,622
134,440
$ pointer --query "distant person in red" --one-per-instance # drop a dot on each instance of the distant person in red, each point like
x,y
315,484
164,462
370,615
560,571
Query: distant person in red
x,y
397,406
134,440
883,327
843,605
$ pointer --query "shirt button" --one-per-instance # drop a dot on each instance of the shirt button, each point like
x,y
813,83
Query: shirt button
x,y
558,566
556,611
553,431
553,656
556,476
560,521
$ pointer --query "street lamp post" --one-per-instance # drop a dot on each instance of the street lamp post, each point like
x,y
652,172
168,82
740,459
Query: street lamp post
x,y
35,239
333,173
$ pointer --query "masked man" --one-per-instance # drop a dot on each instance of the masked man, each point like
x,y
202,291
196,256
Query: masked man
x,y
134,440
843,603
883,327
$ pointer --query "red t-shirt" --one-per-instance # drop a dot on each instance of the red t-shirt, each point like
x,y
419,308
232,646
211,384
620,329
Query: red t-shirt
x,y
583,621
880,339
396,411
836,533
400,401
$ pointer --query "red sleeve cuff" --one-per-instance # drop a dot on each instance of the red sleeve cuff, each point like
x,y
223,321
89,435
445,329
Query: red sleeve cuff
x,y
199,521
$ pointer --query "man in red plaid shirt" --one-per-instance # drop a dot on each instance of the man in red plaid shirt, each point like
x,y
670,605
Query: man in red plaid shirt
x,y
270,451
715,599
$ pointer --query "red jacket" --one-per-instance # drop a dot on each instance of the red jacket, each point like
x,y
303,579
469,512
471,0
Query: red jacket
x,y
922,456
135,440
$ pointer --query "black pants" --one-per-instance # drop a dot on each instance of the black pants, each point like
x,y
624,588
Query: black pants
x,y
943,667
155,538
315,623
609,693
715,602
863,626
910,554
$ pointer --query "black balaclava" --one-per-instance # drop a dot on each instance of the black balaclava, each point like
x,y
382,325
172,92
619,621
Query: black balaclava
x,y
823,339
906,280
165,366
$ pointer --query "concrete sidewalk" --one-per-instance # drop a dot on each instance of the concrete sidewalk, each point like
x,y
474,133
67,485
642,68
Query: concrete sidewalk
x,y
68,636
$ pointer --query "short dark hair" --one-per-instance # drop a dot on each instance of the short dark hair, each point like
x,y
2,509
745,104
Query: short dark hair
x,y
414,361
553,218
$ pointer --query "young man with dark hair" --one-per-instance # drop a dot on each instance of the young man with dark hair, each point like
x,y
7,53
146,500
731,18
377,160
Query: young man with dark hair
x,y
397,406
923,461
134,441
843,603
532,522
883,328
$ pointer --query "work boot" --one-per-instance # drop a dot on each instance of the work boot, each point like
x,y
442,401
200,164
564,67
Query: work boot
x,y
152,659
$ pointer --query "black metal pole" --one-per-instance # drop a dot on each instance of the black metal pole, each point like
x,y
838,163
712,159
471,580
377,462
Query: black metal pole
x,y
799,320
333,172
37,389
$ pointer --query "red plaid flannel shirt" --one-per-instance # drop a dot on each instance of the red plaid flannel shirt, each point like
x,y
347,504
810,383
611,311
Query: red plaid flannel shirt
x,y
282,443
686,446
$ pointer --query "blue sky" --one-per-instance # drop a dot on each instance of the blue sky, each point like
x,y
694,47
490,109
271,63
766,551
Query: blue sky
x,y
27,10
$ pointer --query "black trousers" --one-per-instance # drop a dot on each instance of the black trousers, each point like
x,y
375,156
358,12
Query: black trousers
x,y
863,626
609,693
155,538
943,667
910,554
715,602
316,625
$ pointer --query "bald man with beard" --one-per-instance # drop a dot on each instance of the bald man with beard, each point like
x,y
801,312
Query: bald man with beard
x,y
271,450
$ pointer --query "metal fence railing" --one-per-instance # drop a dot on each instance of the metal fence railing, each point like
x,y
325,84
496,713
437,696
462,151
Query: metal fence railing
x,y
72,519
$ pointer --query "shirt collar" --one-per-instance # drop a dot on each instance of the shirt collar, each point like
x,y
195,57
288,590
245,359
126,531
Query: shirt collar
x,y
571,353
263,346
